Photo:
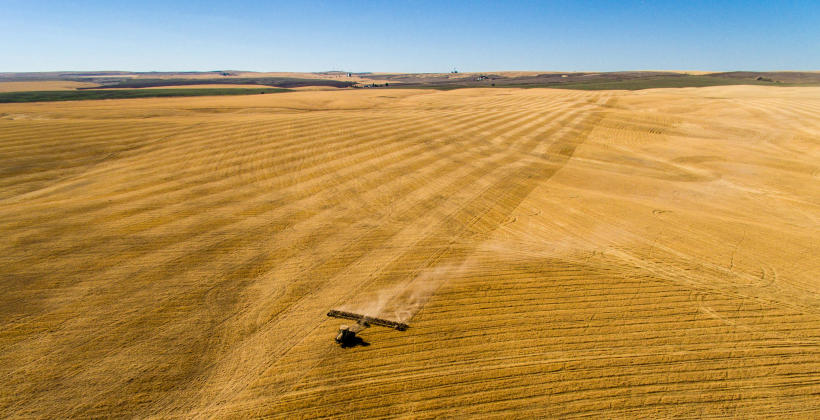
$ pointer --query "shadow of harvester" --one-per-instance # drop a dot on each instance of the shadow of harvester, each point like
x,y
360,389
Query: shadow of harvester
x,y
354,341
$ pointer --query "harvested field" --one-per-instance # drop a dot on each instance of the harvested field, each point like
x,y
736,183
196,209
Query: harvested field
x,y
43,85
555,252
97,94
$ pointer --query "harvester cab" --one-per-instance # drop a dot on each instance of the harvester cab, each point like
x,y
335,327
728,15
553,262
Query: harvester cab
x,y
347,333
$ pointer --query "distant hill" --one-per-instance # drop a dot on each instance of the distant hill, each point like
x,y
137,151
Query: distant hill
x,y
623,80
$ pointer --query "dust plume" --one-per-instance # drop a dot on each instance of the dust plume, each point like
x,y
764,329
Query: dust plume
x,y
402,301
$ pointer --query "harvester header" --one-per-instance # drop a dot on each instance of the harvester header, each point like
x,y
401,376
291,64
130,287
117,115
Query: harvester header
x,y
347,334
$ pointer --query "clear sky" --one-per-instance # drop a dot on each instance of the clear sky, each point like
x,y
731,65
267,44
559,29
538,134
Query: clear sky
x,y
408,36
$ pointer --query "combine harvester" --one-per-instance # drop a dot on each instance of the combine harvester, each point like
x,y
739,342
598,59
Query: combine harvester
x,y
347,334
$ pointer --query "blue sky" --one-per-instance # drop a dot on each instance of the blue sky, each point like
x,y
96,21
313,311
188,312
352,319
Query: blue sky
x,y
408,36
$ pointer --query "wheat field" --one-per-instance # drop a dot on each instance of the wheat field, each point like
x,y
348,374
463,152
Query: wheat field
x,y
556,253
43,85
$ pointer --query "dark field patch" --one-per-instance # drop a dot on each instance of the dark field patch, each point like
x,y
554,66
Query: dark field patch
x,y
606,81
280,82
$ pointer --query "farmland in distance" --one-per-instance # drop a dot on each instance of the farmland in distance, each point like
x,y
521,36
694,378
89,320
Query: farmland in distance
x,y
555,252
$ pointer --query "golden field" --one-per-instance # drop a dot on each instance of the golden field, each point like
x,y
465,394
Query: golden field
x,y
555,252
43,85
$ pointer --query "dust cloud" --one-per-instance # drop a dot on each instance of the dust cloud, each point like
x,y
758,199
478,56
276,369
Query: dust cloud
x,y
402,301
